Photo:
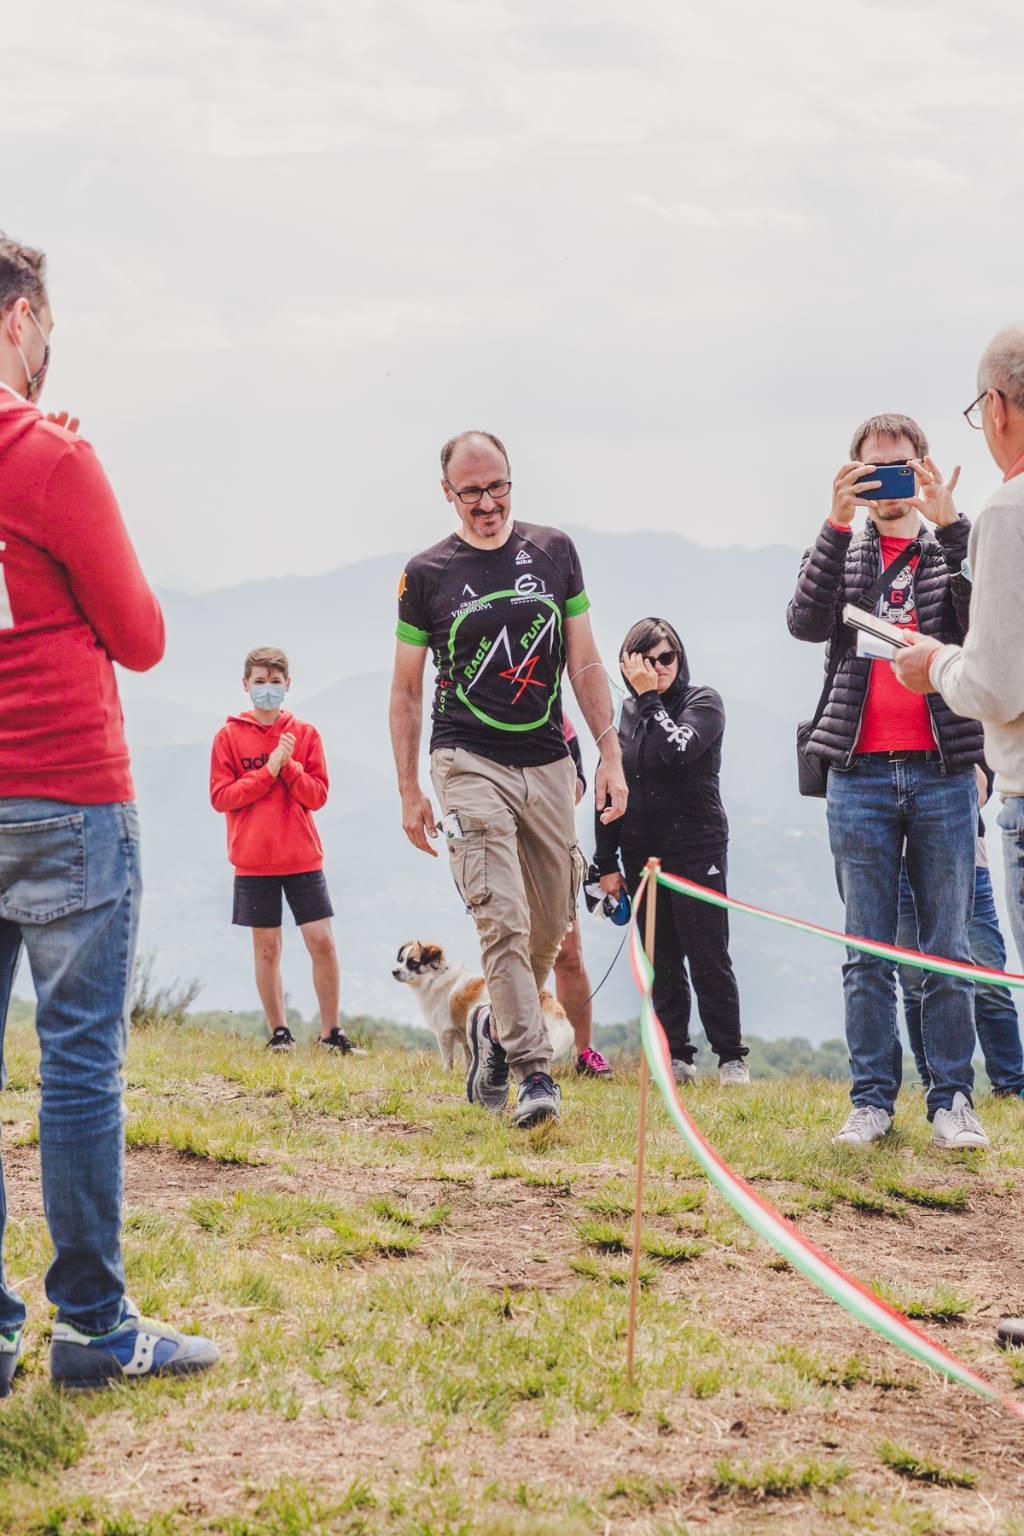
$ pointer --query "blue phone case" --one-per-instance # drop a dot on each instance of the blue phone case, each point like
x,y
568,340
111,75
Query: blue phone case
x,y
897,483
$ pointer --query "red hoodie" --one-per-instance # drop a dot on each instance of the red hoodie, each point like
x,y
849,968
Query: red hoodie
x,y
271,830
72,601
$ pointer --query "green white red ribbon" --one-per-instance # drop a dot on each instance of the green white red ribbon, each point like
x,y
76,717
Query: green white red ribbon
x,y
850,940
762,1217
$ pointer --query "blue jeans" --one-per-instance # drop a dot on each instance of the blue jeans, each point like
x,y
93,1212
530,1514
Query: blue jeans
x,y
995,1013
872,808
70,890
1011,821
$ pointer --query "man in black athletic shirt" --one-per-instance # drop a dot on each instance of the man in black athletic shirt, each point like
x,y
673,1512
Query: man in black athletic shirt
x,y
503,608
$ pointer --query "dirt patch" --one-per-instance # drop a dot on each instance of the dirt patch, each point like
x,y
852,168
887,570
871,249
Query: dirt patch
x,y
505,1234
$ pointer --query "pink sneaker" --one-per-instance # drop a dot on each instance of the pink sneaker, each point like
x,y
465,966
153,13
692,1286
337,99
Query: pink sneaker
x,y
591,1063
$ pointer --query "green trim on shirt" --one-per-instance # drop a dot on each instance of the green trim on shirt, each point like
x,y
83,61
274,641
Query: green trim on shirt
x,y
411,635
576,605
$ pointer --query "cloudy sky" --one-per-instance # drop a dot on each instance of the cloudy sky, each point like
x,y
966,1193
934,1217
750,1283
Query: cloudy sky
x,y
671,251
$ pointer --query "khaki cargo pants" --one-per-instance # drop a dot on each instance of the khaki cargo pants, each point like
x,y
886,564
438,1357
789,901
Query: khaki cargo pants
x,y
518,868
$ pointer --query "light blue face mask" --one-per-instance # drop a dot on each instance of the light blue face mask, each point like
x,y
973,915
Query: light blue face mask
x,y
267,695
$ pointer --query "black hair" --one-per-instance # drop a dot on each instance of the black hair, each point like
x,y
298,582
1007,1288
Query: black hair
x,y
649,632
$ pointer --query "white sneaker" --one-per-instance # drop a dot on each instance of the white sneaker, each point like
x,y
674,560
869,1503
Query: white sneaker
x,y
733,1074
958,1127
684,1072
865,1124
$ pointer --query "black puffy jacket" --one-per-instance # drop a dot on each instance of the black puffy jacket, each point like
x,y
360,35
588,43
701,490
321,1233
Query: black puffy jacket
x,y
835,571
672,756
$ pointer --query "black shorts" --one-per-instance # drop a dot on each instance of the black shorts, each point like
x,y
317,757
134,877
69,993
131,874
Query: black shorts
x,y
258,899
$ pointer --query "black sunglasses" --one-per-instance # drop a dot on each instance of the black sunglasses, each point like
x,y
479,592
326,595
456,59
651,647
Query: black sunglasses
x,y
663,658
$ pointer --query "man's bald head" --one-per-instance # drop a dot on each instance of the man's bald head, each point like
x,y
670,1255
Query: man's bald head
x,y
1002,365
472,439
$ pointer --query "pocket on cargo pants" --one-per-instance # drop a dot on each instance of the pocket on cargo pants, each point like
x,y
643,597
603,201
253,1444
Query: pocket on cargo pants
x,y
468,859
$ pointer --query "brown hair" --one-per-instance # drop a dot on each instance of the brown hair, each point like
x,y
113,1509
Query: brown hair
x,y
266,656
453,442
891,424
22,274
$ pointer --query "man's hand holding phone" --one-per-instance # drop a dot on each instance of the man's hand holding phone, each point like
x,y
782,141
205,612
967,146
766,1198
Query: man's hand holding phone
x,y
846,497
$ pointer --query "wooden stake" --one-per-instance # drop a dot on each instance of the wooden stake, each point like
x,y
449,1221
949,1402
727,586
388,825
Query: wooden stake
x,y
651,897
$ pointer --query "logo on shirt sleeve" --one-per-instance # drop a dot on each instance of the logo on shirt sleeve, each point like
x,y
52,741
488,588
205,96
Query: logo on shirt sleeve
x,y
403,582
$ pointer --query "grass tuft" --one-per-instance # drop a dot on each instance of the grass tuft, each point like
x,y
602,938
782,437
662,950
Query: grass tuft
x,y
939,1305
777,1480
929,1199
921,1469
604,1236
39,1435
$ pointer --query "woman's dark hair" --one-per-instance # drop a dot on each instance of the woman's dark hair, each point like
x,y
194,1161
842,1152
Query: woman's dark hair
x,y
647,633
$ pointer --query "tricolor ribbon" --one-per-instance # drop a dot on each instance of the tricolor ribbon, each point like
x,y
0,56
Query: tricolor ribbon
x,y
850,940
762,1217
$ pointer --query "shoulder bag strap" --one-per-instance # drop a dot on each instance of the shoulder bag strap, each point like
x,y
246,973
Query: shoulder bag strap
x,y
868,598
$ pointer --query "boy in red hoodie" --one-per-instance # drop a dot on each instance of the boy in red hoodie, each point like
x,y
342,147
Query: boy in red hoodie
x,y
268,775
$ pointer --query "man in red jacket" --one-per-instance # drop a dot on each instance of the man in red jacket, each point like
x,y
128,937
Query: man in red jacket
x,y
72,602
268,775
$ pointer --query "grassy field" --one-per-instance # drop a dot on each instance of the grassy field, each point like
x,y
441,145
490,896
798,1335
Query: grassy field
x,y
422,1314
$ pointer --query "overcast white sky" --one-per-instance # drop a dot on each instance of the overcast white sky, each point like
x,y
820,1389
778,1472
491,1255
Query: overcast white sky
x,y
671,251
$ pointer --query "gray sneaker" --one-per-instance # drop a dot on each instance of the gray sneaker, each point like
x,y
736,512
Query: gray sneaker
x,y
487,1077
958,1126
683,1072
864,1124
539,1099
10,1351
1010,1334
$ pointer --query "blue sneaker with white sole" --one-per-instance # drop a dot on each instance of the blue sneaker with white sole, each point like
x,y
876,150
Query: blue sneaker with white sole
x,y
138,1346
10,1353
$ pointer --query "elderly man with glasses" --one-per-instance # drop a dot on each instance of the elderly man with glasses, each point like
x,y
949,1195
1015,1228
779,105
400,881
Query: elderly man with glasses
x,y
985,675
503,608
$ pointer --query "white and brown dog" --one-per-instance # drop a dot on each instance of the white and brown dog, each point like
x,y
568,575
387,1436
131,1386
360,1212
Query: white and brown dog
x,y
447,993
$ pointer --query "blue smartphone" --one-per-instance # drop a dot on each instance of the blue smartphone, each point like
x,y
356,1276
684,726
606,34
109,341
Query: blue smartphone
x,y
897,483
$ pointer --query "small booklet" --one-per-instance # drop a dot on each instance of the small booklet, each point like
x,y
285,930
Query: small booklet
x,y
878,629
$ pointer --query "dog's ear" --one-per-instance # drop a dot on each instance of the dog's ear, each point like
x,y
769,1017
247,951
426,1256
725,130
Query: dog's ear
x,y
432,955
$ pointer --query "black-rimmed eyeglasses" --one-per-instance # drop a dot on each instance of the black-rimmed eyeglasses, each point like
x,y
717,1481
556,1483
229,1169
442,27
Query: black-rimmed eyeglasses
x,y
974,414
471,494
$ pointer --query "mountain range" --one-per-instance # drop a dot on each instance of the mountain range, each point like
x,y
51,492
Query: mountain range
x,y
729,605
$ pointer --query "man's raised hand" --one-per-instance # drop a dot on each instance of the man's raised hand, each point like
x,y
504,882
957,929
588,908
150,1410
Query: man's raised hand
x,y
846,495
934,499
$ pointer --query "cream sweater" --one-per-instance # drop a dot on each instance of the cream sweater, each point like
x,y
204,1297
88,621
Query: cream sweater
x,y
984,678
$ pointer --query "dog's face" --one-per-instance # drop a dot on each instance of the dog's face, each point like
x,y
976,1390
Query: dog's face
x,y
417,962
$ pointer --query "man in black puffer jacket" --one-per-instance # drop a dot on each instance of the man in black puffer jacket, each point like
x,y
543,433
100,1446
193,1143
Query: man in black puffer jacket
x,y
900,774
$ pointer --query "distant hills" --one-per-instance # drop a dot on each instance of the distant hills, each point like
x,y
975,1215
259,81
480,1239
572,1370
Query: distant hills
x,y
338,627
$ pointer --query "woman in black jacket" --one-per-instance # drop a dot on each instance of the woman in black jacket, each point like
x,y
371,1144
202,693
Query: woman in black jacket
x,y
671,736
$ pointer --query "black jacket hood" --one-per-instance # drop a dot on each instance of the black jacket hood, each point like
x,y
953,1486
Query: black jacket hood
x,y
683,679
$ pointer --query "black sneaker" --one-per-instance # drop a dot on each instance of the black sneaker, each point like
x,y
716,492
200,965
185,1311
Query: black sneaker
x,y
281,1040
539,1099
487,1077
337,1040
